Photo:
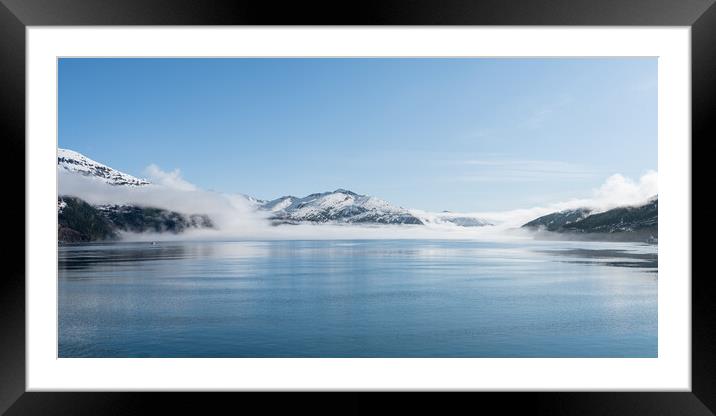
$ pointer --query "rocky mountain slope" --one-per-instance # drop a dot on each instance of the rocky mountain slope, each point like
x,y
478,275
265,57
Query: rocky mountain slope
x,y
556,221
632,223
79,221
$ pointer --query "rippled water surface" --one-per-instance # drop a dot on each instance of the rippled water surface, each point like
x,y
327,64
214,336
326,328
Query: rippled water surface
x,y
388,298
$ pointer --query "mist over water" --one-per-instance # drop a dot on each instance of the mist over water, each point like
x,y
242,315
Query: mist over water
x,y
236,218
250,289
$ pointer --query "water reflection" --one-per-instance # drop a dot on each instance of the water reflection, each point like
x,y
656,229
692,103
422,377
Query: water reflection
x,y
400,298
77,257
609,257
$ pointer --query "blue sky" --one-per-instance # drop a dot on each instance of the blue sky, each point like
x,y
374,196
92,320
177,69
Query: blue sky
x,y
437,134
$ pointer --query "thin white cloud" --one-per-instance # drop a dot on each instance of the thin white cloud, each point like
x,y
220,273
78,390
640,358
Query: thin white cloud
x,y
616,191
172,179
620,190
543,113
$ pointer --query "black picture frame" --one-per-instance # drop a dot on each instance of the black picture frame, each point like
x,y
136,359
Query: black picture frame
x,y
16,15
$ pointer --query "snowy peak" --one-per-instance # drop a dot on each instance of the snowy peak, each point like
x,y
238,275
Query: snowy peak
x,y
344,206
75,162
341,206
344,191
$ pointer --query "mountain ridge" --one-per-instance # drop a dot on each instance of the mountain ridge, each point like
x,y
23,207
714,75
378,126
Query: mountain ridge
x,y
76,162
340,206
625,223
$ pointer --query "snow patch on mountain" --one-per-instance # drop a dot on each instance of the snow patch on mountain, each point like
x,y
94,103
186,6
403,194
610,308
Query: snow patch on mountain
x,y
279,204
75,162
339,206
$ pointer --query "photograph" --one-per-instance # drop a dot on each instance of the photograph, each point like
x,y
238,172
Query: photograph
x,y
362,207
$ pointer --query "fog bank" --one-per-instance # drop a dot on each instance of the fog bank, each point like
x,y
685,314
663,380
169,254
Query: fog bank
x,y
236,218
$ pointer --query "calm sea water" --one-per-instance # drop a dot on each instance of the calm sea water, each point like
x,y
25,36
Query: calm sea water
x,y
392,298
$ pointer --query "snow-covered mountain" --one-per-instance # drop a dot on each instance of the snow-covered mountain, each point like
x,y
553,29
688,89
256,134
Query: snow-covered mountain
x,y
341,206
75,162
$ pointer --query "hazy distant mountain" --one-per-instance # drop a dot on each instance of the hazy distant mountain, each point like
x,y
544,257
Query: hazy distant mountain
x,y
629,223
72,161
460,220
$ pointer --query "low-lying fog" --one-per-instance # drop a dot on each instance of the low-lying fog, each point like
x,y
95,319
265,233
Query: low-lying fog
x,y
235,217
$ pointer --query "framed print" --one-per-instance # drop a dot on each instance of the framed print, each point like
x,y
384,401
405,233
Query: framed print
x,y
434,198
